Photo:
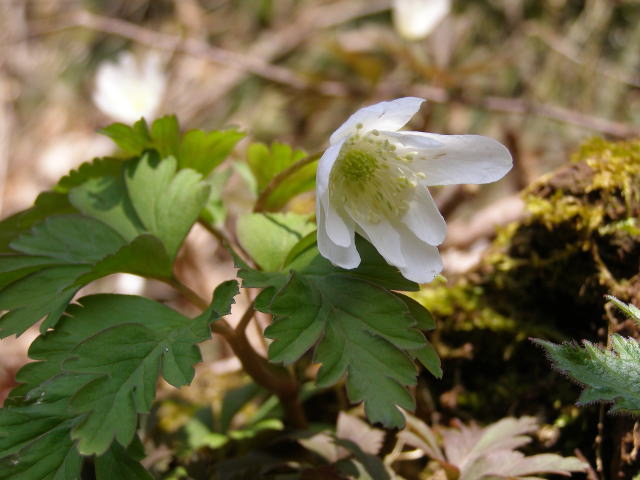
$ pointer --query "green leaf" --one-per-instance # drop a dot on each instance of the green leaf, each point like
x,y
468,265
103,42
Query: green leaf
x,y
628,309
265,163
42,294
47,203
67,252
98,167
71,239
268,238
50,457
196,149
107,199
204,151
97,371
357,326
214,211
131,140
167,203
126,361
119,463
607,375
165,133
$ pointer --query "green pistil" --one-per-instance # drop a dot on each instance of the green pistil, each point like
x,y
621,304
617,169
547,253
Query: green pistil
x,y
371,179
357,166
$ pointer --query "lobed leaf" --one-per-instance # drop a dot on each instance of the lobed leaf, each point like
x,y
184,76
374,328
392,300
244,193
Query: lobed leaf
x,y
611,376
356,326
93,375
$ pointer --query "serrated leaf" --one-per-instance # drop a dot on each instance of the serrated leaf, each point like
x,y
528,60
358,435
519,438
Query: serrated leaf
x,y
98,167
43,294
203,151
126,361
265,163
629,309
107,199
50,457
119,463
47,204
71,239
131,140
196,149
166,201
67,252
99,368
356,325
607,375
269,237
165,135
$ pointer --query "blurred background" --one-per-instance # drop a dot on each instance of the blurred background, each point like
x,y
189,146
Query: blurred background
x,y
541,76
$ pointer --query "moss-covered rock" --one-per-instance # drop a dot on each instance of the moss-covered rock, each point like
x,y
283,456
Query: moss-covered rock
x,y
544,276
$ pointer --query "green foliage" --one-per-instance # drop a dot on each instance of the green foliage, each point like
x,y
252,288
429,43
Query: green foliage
x,y
355,325
608,376
94,374
196,149
268,238
265,163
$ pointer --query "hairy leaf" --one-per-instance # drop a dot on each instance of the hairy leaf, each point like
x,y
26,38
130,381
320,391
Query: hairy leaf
x,y
608,375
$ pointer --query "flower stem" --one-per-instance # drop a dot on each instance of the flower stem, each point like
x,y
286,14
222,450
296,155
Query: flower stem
x,y
271,377
261,202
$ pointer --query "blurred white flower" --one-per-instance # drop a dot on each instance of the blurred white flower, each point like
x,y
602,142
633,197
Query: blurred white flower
x,y
373,180
130,88
415,19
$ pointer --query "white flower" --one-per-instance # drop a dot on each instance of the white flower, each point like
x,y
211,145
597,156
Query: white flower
x,y
415,19
129,89
373,180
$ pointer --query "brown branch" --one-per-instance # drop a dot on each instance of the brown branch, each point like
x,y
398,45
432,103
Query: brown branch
x,y
261,202
524,106
273,378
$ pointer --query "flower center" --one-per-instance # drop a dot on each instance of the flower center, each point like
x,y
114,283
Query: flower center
x,y
371,179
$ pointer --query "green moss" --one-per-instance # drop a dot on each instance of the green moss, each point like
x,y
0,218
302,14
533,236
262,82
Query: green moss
x,y
544,276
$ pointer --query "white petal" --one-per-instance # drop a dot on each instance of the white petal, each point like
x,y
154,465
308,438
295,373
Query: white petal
x,y
415,19
325,164
390,115
459,159
424,219
345,257
423,261
386,239
339,229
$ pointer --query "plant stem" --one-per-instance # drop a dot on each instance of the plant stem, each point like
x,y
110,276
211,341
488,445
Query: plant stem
x,y
187,293
273,378
261,202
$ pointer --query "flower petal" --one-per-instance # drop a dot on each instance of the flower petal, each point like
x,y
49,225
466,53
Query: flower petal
x,y
325,164
345,257
339,229
386,239
423,261
459,159
424,219
390,115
